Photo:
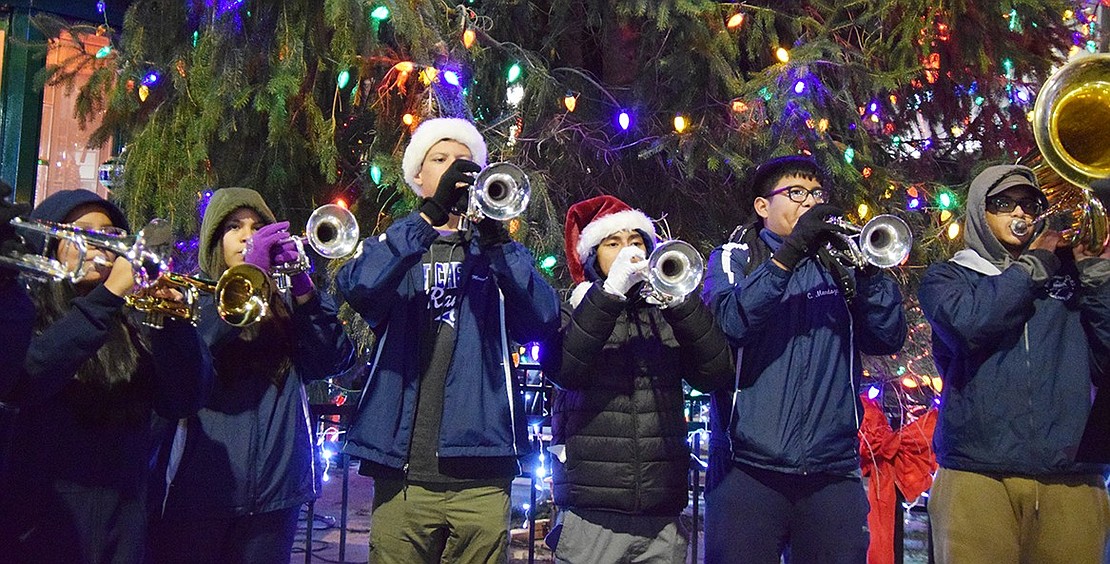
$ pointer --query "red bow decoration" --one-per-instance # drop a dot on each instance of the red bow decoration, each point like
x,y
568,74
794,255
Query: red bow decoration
x,y
902,458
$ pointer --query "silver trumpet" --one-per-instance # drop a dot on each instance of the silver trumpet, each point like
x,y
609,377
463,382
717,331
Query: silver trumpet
x,y
41,267
884,242
331,231
675,268
500,191
146,250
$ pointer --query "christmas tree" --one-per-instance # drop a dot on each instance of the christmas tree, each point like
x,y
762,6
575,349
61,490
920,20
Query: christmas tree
x,y
666,104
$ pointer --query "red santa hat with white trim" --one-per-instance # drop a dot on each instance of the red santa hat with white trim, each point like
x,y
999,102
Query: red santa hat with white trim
x,y
589,222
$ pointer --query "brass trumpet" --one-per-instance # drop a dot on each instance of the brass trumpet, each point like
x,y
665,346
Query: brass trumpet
x,y
242,297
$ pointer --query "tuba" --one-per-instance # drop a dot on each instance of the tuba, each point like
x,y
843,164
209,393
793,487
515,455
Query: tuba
x,y
884,242
675,268
242,297
331,231
501,191
1070,120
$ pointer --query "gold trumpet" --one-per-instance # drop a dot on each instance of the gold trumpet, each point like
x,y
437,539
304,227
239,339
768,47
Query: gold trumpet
x,y
242,297
1071,119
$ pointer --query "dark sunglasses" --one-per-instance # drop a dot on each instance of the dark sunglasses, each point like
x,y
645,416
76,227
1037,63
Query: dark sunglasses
x,y
1006,204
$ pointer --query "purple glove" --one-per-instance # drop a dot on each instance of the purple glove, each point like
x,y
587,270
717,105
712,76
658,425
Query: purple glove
x,y
261,247
289,252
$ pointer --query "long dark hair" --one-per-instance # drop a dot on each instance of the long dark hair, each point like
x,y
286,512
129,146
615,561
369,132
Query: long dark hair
x,y
104,388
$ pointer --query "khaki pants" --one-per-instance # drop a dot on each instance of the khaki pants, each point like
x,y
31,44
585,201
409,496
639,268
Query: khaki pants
x,y
995,519
432,523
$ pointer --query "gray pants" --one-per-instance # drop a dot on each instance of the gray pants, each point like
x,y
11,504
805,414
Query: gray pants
x,y
601,536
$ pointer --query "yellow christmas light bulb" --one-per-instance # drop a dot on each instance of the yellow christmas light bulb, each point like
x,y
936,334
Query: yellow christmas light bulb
x,y
909,382
428,75
945,215
822,125
736,20
864,211
570,101
679,123
953,230
739,106
468,38
938,384
782,55
143,92
408,119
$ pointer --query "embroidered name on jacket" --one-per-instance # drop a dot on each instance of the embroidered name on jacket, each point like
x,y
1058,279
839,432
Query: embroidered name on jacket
x,y
441,283
822,292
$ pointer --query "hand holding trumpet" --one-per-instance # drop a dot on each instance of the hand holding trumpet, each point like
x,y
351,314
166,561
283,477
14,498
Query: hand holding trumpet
x,y
273,246
628,268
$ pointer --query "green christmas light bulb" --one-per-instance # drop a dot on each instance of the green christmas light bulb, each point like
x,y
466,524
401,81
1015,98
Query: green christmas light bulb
x,y
381,13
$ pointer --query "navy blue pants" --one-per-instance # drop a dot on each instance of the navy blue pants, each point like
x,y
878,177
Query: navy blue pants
x,y
263,538
757,516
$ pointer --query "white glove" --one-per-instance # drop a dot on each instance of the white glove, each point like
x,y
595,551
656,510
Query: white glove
x,y
627,269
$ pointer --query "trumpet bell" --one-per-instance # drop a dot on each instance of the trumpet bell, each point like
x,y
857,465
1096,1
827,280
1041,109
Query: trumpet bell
x,y
501,192
243,295
885,241
332,231
675,268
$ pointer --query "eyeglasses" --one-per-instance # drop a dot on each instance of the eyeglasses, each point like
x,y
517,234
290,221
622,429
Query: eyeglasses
x,y
798,195
1006,204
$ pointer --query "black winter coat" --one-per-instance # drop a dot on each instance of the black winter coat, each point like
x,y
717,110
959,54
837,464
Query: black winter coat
x,y
619,407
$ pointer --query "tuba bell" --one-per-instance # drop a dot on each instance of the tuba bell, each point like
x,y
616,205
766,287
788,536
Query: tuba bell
x,y
501,191
1071,119
675,268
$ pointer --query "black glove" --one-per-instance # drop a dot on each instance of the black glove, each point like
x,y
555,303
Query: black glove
x,y
810,233
492,232
448,193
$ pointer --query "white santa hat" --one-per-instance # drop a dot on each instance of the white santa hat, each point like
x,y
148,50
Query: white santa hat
x,y
432,131
589,222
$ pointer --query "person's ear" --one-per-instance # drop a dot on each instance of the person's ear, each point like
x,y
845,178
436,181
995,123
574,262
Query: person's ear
x,y
761,206
419,180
